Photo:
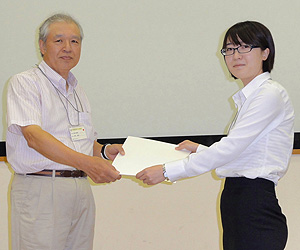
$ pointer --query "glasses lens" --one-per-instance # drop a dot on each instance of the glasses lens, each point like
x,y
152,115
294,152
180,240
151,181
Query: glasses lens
x,y
244,48
227,51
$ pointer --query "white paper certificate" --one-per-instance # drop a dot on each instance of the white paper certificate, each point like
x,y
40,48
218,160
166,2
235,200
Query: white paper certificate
x,y
141,153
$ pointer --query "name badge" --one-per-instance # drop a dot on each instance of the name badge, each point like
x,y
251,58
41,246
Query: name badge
x,y
77,133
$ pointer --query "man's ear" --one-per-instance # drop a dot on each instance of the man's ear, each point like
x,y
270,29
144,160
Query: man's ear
x,y
42,47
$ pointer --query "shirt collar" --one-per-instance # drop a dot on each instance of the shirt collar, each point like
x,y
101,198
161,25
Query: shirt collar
x,y
56,79
241,96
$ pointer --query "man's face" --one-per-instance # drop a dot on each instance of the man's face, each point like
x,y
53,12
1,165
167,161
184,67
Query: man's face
x,y
61,51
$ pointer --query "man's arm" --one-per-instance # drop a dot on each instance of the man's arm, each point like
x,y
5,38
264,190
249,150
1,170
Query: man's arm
x,y
99,170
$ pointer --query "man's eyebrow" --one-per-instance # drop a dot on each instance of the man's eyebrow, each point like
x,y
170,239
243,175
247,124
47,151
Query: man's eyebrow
x,y
60,35
76,37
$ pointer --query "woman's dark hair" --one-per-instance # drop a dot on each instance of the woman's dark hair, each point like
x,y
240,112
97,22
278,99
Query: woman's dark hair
x,y
253,33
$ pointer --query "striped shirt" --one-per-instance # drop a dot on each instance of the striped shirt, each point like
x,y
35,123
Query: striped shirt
x,y
259,143
39,97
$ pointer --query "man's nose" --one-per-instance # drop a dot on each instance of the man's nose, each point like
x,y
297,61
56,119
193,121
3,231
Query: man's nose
x,y
67,46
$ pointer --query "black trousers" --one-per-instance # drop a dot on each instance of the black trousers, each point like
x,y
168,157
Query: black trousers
x,y
251,216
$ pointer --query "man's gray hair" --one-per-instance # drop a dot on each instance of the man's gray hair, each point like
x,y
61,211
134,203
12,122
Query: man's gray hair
x,y
44,28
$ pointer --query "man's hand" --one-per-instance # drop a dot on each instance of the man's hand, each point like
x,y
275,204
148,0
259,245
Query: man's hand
x,y
101,171
152,175
112,150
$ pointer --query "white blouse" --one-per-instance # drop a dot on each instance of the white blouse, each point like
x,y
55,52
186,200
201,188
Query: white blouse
x,y
260,140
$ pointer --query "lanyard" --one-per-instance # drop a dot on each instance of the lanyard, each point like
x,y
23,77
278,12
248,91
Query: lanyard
x,y
61,94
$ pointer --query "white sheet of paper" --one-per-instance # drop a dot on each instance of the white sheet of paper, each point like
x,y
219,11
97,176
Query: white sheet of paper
x,y
141,153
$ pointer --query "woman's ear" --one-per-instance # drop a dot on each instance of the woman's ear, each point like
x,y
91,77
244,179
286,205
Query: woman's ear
x,y
265,54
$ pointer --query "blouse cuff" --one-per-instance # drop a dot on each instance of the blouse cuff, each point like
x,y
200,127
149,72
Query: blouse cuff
x,y
200,148
175,170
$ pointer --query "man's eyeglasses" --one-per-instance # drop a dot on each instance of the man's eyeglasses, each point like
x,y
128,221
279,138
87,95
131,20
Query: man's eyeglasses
x,y
242,49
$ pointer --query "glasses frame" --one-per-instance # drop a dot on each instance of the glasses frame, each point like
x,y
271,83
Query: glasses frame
x,y
223,51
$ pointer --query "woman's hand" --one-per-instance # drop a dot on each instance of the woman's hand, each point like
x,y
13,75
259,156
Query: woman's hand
x,y
188,145
152,175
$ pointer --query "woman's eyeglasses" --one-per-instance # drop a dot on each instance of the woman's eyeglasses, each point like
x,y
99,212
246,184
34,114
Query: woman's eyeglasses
x,y
242,49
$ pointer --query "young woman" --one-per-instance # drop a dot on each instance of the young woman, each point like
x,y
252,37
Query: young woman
x,y
256,152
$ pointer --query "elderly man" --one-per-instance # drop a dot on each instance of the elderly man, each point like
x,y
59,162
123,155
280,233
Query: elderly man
x,y
52,147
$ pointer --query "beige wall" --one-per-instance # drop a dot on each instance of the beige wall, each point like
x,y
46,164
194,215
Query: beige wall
x,y
180,216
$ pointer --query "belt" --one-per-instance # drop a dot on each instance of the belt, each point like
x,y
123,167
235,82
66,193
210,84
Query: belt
x,y
243,182
60,173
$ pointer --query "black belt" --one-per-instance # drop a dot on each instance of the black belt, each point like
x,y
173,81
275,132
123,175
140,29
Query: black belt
x,y
60,173
242,182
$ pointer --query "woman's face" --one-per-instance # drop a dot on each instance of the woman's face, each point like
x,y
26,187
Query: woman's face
x,y
248,65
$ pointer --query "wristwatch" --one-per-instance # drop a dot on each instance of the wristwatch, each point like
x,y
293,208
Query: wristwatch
x,y
165,172
103,155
